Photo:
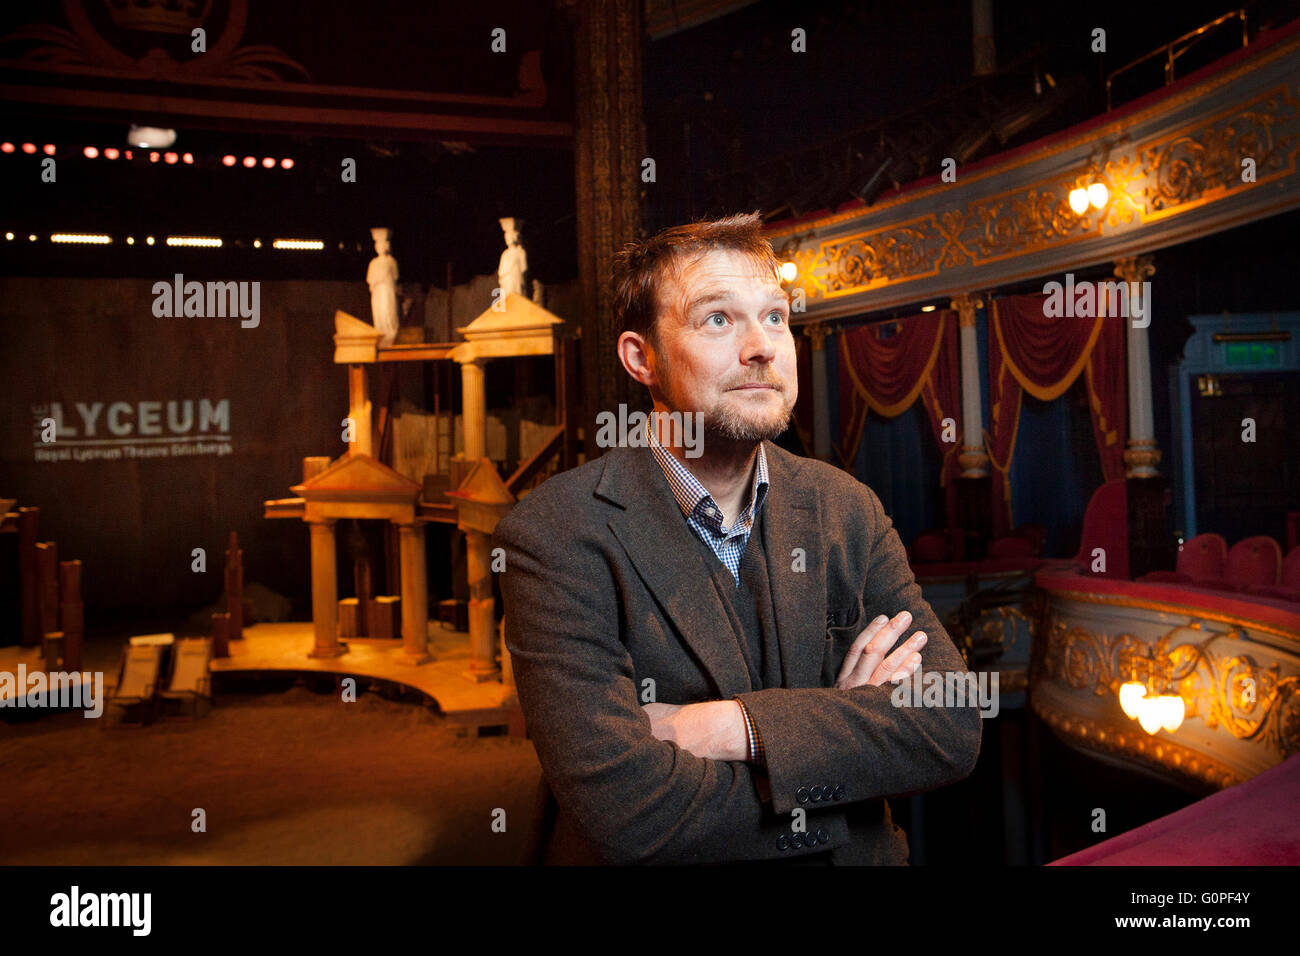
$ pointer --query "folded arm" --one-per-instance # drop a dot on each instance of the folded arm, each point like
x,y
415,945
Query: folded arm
x,y
856,741
635,798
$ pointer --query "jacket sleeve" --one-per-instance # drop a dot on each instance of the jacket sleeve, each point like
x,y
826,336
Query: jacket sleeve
x,y
857,742
633,797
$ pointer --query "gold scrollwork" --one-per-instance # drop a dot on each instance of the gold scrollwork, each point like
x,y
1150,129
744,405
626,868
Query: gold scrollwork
x,y
1249,701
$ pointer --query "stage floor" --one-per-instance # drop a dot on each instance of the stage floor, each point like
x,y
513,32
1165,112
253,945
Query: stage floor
x,y
284,647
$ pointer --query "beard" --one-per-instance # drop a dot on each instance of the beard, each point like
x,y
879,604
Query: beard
x,y
731,418
728,422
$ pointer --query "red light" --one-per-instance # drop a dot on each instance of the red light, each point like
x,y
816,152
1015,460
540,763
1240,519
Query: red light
x,y
170,158
287,163
29,148
269,163
228,160
49,149
127,154
111,153
153,157
6,147
187,158
250,161
90,152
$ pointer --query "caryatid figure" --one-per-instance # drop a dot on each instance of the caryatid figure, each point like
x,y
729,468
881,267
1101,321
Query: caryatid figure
x,y
382,279
514,261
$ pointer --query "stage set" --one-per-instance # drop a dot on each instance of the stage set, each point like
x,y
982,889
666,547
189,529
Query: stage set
x,y
256,277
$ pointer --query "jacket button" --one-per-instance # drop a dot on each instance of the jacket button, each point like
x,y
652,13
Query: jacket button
x,y
816,794
823,835
783,842
839,792
796,841
801,794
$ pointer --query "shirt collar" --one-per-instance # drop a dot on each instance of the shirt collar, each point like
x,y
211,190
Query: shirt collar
x,y
692,496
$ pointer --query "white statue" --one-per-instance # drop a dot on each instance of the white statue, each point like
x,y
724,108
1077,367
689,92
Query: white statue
x,y
514,261
382,279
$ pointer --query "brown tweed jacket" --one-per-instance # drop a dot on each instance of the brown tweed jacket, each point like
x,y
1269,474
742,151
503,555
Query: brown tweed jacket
x,y
605,588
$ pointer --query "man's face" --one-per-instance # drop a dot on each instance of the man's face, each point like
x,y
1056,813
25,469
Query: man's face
x,y
725,347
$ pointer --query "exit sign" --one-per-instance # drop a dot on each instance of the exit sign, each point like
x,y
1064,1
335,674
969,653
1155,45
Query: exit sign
x,y
1250,353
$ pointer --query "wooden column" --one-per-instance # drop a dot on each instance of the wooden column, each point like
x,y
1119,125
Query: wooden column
x,y
415,594
324,590
609,147
474,409
72,613
28,521
482,609
359,410
47,579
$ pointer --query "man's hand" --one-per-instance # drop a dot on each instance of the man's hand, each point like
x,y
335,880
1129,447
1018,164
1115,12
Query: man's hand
x,y
714,729
863,664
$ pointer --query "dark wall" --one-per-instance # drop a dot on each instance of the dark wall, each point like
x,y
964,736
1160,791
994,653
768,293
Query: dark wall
x,y
134,522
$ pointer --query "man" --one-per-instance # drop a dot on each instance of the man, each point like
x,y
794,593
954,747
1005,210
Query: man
x,y
694,632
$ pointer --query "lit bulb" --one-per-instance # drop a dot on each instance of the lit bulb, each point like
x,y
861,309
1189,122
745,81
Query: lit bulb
x,y
1129,695
1149,714
1079,200
1172,711
789,271
1098,195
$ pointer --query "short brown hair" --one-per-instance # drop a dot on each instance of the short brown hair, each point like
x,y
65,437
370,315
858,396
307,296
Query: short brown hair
x,y
641,268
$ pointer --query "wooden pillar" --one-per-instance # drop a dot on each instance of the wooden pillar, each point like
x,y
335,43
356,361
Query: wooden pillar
x,y
72,614
28,520
360,411
235,588
609,147
482,609
47,578
324,590
474,409
221,634
415,594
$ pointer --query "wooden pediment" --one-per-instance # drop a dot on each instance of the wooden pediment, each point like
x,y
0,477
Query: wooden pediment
x,y
356,474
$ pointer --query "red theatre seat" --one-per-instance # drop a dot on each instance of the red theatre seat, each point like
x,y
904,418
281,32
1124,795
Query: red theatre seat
x,y
1201,560
1105,526
1254,561
1289,588
1204,558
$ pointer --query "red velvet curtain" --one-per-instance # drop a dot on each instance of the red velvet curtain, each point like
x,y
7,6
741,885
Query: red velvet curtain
x,y
886,374
1044,356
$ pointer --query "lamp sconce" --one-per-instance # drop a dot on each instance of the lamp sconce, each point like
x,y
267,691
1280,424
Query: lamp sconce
x,y
1153,700
1090,190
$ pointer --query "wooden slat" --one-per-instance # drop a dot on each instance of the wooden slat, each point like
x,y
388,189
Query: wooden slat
x,y
525,472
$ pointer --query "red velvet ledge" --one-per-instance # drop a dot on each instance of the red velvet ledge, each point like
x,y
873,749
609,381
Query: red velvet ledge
x,y
1251,824
1283,615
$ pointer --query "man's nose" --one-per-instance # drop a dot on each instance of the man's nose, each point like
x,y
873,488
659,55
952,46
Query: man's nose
x,y
758,345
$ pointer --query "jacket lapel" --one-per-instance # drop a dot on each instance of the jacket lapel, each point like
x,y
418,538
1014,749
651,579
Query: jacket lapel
x,y
666,554
792,527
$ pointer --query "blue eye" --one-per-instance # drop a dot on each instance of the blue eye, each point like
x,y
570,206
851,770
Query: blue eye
x,y
718,315
780,315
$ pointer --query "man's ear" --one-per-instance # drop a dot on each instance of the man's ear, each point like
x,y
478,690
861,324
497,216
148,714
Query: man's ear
x,y
634,352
